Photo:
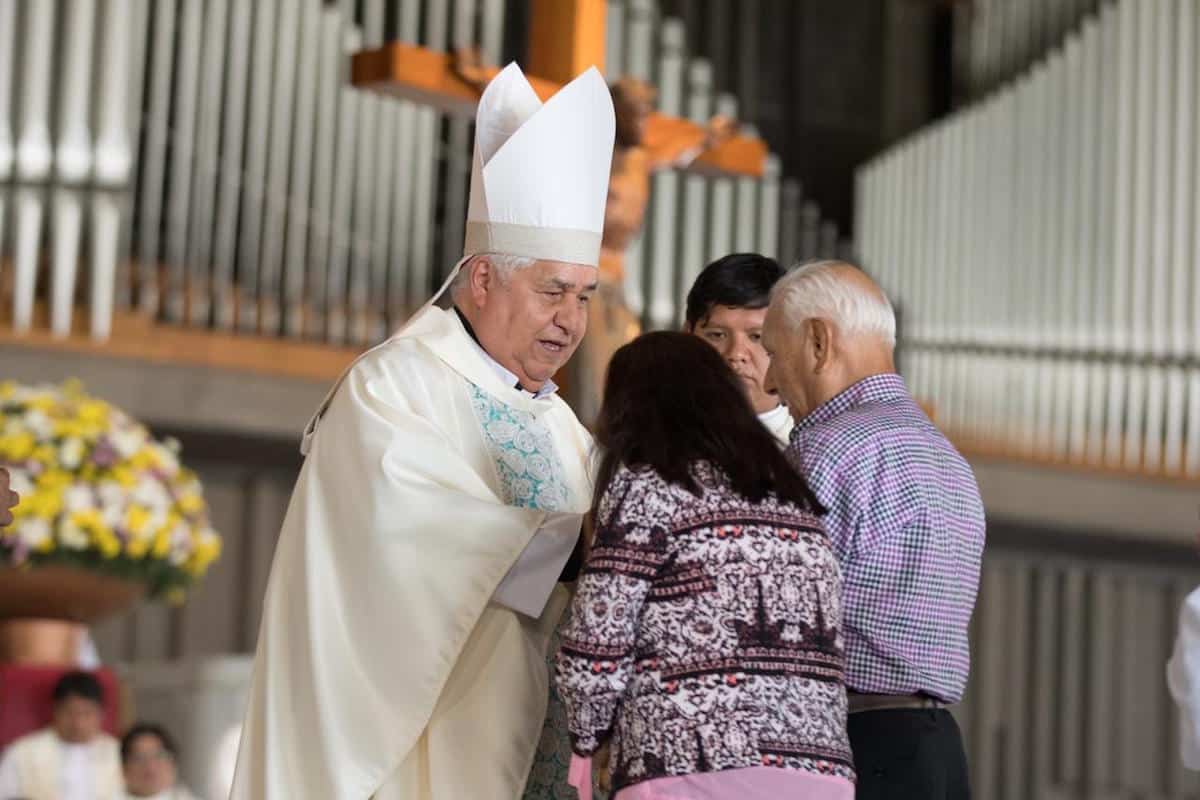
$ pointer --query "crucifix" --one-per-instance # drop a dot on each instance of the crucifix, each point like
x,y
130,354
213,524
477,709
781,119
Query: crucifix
x,y
565,38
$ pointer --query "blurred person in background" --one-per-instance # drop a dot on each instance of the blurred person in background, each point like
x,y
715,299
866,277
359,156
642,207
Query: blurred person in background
x,y
150,762
72,759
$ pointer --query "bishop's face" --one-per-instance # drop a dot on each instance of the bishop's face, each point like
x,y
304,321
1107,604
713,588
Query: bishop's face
x,y
532,320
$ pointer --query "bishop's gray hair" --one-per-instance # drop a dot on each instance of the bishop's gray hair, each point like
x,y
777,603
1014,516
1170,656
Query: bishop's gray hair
x,y
815,289
504,264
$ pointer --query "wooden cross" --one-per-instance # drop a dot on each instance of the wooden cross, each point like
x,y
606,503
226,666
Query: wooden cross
x,y
565,38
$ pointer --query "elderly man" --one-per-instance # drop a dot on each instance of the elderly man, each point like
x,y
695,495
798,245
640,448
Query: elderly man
x,y
726,307
402,652
905,519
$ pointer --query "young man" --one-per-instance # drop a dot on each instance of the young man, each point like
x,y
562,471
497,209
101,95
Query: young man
x,y
726,307
72,759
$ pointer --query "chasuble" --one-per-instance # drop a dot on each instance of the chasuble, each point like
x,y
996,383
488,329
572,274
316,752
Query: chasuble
x,y
385,667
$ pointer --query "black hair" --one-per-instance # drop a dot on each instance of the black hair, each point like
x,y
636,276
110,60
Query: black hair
x,y
147,729
741,280
79,684
671,401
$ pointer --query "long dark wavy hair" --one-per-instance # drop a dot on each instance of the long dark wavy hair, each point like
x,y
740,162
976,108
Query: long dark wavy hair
x,y
670,401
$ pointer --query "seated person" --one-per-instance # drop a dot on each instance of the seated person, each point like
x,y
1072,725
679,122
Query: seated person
x,y
726,307
73,759
148,755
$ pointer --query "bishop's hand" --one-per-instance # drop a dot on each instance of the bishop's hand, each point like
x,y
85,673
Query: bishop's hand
x,y
8,499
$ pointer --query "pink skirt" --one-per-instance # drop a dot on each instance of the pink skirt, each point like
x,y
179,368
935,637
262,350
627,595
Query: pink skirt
x,y
751,783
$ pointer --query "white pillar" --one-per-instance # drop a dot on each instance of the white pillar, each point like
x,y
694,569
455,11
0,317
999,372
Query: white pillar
x,y
299,198
153,166
205,166
255,171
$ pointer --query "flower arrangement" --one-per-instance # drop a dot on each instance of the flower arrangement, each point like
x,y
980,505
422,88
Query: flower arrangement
x,y
98,492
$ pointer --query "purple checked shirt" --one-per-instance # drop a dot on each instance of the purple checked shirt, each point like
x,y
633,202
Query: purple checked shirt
x,y
907,525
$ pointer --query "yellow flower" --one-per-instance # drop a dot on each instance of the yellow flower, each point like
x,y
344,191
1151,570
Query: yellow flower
x,y
18,446
54,478
69,428
107,542
43,504
93,413
136,519
123,475
137,546
44,454
42,402
7,389
162,542
144,459
190,503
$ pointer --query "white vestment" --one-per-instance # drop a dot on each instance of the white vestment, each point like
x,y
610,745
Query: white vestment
x,y
1183,680
779,422
383,668
174,793
41,766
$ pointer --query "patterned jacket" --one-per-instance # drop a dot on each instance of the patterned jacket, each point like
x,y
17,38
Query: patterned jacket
x,y
705,635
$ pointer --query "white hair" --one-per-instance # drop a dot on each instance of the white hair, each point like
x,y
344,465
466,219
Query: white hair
x,y
815,289
504,264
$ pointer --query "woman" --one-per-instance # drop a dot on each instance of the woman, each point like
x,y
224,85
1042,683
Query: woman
x,y
704,644
149,757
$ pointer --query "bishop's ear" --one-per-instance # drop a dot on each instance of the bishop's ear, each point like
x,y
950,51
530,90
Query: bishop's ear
x,y
481,278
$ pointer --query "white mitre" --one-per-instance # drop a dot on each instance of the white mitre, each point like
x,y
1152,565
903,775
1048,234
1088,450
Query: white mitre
x,y
539,177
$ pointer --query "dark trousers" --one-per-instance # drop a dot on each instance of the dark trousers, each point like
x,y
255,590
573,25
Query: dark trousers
x,y
901,754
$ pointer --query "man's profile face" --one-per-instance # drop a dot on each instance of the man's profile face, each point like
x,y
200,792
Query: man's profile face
x,y
77,719
736,333
533,320
791,368
149,767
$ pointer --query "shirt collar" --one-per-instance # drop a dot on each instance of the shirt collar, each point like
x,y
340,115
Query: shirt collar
x,y
874,389
506,375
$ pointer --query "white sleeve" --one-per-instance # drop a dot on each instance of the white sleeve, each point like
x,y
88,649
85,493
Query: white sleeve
x,y
10,779
527,586
1183,680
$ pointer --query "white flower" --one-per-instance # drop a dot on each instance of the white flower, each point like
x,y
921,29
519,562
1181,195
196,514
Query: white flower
x,y
110,493
151,494
19,482
78,497
70,454
33,532
181,544
38,423
168,458
72,536
127,441
113,515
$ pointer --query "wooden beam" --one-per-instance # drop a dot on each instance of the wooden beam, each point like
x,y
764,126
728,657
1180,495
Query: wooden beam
x,y
565,38
426,76
423,76
138,338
